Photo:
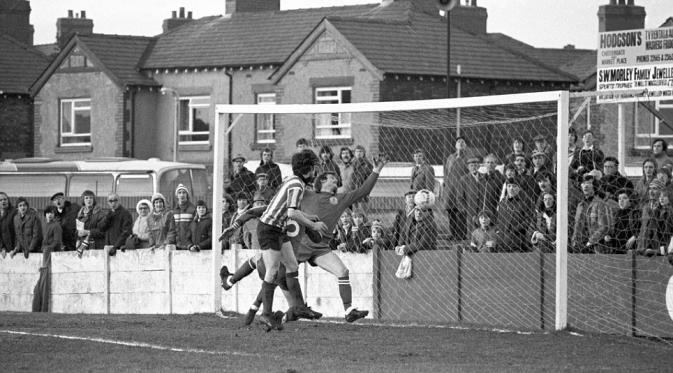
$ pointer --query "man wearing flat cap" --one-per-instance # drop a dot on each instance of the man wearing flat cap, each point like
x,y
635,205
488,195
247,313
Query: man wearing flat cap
x,y
541,163
66,216
591,219
471,195
422,174
262,186
403,216
455,167
242,179
541,145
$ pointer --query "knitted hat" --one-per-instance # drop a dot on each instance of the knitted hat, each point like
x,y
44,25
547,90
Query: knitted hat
x,y
201,203
143,202
157,196
57,195
181,187
655,184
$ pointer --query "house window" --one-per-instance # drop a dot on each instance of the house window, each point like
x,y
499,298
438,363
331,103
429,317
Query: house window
x,y
75,122
265,123
654,127
194,120
333,125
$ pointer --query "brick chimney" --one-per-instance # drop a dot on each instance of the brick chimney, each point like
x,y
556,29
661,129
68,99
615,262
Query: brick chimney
x,y
177,20
242,6
620,15
470,17
15,20
73,24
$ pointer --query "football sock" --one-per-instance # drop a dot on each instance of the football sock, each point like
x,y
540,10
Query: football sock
x,y
242,271
294,287
258,301
267,298
345,291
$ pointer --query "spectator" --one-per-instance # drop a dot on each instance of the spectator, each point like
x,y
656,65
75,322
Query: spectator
x,y
541,163
302,144
379,239
518,147
652,220
664,174
66,215
402,217
526,180
660,153
422,174
541,145
327,164
270,168
263,186
141,227
543,237
28,229
455,168
242,205
588,158
118,224
514,219
201,228
361,231
471,195
183,213
510,173
664,216
572,144
250,240
612,180
228,211
7,234
643,184
421,233
624,233
242,179
343,234
52,239
493,183
545,182
346,169
161,223
484,237
591,220
361,170
90,218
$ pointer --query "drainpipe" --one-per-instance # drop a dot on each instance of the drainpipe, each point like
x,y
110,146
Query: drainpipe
x,y
175,93
231,117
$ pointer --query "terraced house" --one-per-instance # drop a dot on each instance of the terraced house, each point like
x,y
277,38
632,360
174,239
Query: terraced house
x,y
112,95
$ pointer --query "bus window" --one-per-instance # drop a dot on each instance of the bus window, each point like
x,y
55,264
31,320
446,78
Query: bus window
x,y
170,180
101,185
201,186
31,185
134,185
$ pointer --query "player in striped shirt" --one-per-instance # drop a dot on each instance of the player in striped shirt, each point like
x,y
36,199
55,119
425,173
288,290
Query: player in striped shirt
x,y
273,241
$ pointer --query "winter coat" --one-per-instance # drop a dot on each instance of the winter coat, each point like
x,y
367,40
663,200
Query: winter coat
x,y
93,221
118,226
399,226
423,177
273,174
202,231
471,197
455,168
7,233
244,181
591,223
626,225
514,218
420,235
184,215
67,219
545,223
162,228
52,239
28,232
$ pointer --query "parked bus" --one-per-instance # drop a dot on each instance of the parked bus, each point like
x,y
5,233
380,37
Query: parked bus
x,y
38,179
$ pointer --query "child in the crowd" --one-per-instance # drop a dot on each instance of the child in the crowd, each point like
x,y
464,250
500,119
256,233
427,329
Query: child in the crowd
x,y
626,219
484,237
360,230
379,237
52,239
201,228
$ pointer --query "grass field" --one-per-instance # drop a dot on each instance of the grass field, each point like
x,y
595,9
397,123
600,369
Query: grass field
x,y
165,343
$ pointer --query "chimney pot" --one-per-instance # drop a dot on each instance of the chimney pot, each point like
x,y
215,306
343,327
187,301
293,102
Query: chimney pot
x,y
182,12
189,15
474,2
622,2
83,14
174,14
70,13
630,3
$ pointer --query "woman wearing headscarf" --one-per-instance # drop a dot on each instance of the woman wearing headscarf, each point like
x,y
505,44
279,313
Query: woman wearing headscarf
x,y
89,220
161,223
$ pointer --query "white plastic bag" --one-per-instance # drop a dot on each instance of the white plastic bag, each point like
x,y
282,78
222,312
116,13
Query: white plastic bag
x,y
404,270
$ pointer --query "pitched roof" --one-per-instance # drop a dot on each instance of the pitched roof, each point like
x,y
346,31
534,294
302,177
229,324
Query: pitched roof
x,y
253,38
121,55
419,47
20,65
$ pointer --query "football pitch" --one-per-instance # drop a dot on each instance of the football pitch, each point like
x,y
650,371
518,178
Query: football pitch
x,y
204,342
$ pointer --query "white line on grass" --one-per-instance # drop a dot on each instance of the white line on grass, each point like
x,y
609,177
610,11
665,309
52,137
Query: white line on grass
x,y
136,344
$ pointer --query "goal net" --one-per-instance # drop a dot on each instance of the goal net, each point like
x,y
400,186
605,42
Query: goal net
x,y
501,244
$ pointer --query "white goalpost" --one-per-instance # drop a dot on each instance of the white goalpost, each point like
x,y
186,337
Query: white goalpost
x,y
518,284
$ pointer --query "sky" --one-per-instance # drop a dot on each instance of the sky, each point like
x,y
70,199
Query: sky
x,y
541,23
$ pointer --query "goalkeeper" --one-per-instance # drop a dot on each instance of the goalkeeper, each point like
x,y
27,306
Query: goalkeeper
x,y
328,205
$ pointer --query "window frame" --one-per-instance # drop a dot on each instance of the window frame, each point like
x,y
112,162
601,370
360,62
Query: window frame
x,y
655,125
259,118
190,120
344,123
73,110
